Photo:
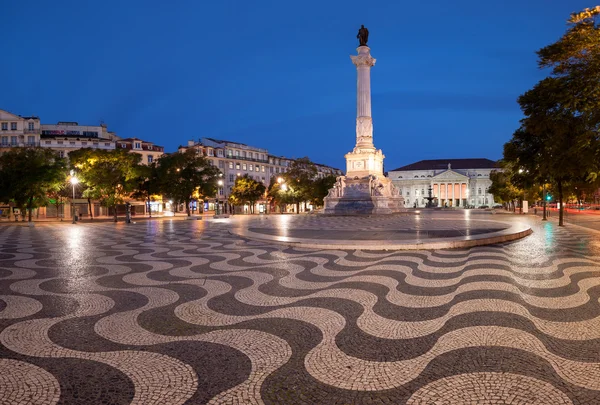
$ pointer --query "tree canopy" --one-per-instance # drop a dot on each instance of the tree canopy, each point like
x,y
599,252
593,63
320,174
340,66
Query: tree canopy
x,y
187,176
246,190
109,174
559,140
27,175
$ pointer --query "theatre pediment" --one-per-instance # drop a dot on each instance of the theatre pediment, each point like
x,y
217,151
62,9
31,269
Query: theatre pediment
x,y
450,175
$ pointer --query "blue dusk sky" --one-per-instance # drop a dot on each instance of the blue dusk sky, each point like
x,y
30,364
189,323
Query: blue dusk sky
x,y
277,74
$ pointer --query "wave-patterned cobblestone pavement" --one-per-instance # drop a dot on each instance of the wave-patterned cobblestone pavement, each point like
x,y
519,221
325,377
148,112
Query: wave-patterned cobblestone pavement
x,y
174,312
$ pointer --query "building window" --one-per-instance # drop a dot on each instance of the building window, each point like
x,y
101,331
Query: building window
x,y
210,152
5,126
106,143
72,143
407,193
83,143
231,165
31,140
231,178
237,166
229,154
250,167
237,153
5,140
150,158
123,145
277,170
244,166
13,140
257,168
220,152
31,126
244,154
221,164
271,169
479,191
13,126
47,142
138,145
262,168
250,155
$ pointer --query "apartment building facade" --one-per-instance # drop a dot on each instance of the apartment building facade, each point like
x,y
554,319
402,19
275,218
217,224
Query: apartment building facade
x,y
236,159
149,151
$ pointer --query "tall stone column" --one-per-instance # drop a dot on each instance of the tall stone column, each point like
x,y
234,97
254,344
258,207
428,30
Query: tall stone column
x,y
364,122
364,189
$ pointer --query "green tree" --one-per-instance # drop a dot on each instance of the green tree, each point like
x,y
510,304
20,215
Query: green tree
x,y
111,174
58,195
28,175
556,144
321,188
187,176
502,188
300,179
149,185
575,57
247,191
277,194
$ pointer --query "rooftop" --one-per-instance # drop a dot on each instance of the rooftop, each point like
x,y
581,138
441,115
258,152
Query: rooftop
x,y
438,164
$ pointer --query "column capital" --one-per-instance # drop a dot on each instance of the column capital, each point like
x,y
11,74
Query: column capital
x,y
363,58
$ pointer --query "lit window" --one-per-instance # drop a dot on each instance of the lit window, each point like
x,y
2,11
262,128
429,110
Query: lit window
x,y
262,168
250,167
257,168
237,166
244,166
237,153
231,165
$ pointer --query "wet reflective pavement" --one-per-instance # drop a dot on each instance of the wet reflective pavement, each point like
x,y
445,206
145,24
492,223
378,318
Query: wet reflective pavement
x,y
173,312
426,229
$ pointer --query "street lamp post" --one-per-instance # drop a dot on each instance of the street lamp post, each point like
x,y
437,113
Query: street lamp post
x,y
220,183
282,187
74,180
544,198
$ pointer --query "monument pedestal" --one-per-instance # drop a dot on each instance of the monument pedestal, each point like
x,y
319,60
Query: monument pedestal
x,y
364,190
370,195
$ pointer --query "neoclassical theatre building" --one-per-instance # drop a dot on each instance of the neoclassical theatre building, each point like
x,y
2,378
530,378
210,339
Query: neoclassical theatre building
x,y
453,182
